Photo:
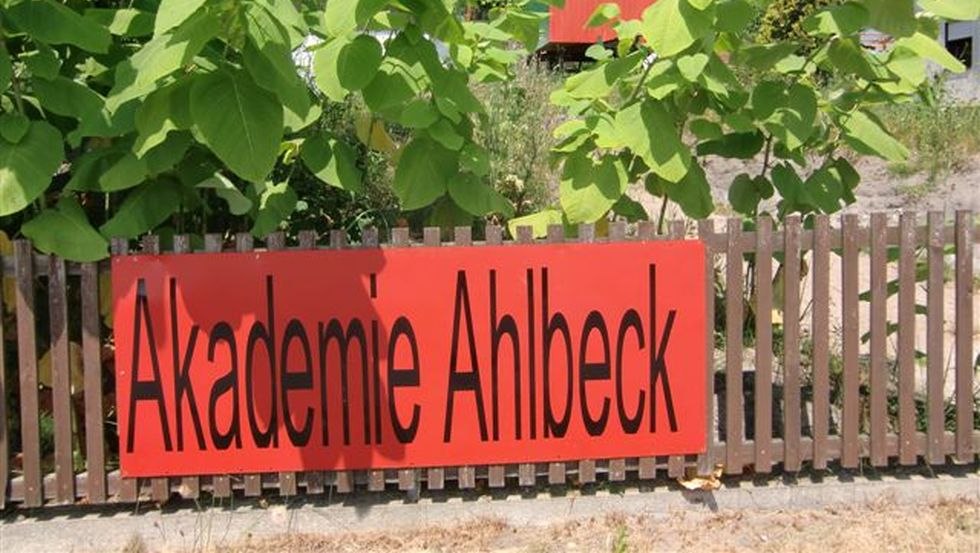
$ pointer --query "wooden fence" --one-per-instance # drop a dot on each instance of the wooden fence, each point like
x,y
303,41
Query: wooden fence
x,y
805,401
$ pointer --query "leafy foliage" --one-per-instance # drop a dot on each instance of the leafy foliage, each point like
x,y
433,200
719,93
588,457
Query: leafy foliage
x,y
177,115
685,78
120,118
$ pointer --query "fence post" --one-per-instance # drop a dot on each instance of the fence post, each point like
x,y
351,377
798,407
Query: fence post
x,y
734,398
821,340
878,376
30,431
964,336
763,345
850,449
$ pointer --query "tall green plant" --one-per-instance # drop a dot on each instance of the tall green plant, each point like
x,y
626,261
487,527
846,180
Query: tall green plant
x,y
667,96
127,115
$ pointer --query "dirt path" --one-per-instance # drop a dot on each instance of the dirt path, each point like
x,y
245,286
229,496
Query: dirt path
x,y
951,526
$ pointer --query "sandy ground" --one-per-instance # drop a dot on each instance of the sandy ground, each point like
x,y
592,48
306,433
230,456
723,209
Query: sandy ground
x,y
950,526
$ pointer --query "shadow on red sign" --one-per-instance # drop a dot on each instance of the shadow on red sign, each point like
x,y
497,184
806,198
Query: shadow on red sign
x,y
413,357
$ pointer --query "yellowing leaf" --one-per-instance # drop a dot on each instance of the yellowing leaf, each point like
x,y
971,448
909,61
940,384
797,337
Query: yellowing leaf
x,y
694,481
77,375
372,133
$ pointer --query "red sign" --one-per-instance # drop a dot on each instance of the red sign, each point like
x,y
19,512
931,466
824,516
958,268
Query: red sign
x,y
412,357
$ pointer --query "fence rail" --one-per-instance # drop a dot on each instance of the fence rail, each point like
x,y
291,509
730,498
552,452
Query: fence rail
x,y
803,400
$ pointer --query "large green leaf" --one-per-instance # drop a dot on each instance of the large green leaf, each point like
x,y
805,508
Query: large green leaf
x,y
343,16
128,22
238,203
842,20
172,13
670,26
143,209
895,17
539,222
332,161
734,145
849,56
602,14
164,110
692,193
957,10
268,58
26,168
325,69
867,136
792,122
930,49
588,190
423,172
600,80
358,62
138,74
240,122
734,15
65,231
647,129
13,126
473,195
54,23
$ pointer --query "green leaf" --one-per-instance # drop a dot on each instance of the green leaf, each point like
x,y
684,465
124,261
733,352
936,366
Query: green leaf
x,y
471,194
343,16
790,187
125,172
792,122
444,133
138,74
956,10
930,49
419,114
325,69
423,172
705,129
692,66
65,231
842,20
692,193
6,68
143,209
358,62
599,81
127,22
54,23
630,209
332,161
598,52
475,159
588,190
849,56
670,26
172,13
734,15
866,135
13,126
648,130
268,58
240,122
603,13
164,110
26,168
734,145
238,203
539,222
764,57
743,195
895,17
276,204
42,62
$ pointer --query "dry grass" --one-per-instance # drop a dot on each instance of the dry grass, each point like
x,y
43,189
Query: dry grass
x,y
951,526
